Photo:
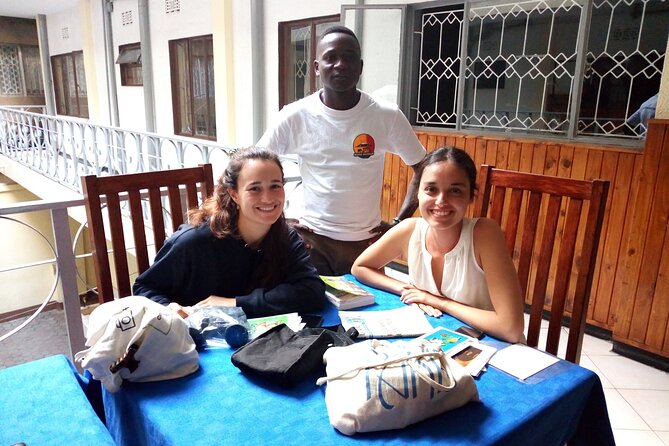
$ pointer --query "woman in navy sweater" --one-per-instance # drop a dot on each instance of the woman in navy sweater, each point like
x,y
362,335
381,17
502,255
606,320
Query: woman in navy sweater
x,y
237,249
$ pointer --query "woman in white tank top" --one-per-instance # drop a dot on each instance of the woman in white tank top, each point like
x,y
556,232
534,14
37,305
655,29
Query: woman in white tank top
x,y
457,265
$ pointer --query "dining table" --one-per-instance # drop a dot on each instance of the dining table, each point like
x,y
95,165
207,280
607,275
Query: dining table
x,y
45,402
219,405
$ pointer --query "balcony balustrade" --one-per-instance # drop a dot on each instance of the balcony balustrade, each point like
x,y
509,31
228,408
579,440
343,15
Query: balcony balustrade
x,y
62,150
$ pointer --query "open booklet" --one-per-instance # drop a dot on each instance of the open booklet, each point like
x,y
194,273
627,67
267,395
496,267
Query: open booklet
x,y
464,350
404,322
260,325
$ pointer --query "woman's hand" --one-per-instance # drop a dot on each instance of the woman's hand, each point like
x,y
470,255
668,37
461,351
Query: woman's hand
x,y
422,299
178,309
217,301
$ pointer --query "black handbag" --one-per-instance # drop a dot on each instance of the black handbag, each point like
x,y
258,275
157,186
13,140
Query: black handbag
x,y
285,357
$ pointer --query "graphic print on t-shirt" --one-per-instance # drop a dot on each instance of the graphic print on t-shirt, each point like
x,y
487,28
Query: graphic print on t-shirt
x,y
363,146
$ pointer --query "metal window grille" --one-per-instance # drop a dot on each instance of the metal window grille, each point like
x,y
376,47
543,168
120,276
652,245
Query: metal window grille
x,y
10,71
522,65
300,39
626,50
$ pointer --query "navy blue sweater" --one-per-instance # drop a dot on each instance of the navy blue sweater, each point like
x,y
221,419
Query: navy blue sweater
x,y
194,264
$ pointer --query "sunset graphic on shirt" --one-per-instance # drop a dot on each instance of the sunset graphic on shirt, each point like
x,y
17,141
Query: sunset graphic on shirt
x,y
363,146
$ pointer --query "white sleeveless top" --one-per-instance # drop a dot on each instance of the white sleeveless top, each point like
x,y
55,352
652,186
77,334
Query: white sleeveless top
x,y
463,279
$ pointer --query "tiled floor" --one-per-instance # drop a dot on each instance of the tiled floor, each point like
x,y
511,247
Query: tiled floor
x,y
637,395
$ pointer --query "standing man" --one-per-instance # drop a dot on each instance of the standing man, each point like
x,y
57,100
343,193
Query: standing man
x,y
340,135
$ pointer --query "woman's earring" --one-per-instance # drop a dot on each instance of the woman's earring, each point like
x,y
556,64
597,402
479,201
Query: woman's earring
x,y
237,206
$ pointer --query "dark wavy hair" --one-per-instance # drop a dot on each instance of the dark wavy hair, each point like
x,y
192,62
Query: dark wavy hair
x,y
220,212
450,154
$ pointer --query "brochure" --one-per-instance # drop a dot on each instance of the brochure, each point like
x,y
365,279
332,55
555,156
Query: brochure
x,y
405,322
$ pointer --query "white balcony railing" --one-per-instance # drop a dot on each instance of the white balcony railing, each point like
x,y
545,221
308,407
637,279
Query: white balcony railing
x,y
63,149
63,259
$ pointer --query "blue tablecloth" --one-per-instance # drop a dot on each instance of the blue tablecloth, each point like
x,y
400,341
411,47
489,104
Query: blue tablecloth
x,y
43,403
219,405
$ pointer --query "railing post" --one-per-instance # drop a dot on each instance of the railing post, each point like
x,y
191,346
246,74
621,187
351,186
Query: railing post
x,y
68,280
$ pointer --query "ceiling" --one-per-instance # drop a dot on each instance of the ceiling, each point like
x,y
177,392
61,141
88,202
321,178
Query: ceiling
x,y
30,8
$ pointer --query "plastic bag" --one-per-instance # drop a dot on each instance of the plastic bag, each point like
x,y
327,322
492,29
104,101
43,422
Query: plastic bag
x,y
218,326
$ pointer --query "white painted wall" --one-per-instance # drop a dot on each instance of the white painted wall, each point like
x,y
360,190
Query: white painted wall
x,y
130,99
64,29
193,20
242,62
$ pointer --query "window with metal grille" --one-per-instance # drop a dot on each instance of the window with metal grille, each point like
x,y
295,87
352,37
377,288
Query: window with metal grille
x,y
192,71
565,68
20,71
297,51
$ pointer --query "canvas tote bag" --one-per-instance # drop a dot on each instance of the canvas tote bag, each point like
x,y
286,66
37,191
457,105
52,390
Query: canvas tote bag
x,y
137,339
378,385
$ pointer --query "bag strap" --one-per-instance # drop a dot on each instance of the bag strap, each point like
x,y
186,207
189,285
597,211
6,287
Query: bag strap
x,y
409,359
430,380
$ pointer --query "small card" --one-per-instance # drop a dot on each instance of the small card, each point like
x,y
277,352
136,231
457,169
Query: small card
x,y
466,351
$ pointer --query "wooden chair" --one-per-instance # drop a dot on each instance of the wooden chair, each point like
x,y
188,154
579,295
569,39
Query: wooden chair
x,y
133,187
552,227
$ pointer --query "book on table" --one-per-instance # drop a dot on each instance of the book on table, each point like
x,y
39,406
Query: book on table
x,y
404,322
345,294
468,352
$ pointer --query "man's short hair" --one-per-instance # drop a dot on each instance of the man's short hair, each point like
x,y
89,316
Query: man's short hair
x,y
341,29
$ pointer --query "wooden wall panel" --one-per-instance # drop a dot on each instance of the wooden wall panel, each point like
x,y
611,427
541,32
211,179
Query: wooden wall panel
x,y
646,328
630,292
631,321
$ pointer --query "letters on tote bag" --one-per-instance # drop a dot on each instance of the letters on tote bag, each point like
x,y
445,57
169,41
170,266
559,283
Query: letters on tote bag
x,y
137,339
379,385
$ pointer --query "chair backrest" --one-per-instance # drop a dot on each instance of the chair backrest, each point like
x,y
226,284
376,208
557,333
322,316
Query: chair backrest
x,y
552,227
135,188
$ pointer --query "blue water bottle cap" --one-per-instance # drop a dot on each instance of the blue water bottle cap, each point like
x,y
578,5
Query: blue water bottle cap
x,y
236,335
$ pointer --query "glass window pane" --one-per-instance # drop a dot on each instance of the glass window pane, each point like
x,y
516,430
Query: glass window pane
x,y
202,71
320,29
379,31
211,93
59,83
299,63
439,69
520,66
626,50
32,71
70,86
81,93
182,80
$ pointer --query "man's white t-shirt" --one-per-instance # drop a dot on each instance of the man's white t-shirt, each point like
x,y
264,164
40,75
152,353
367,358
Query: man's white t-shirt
x,y
340,157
